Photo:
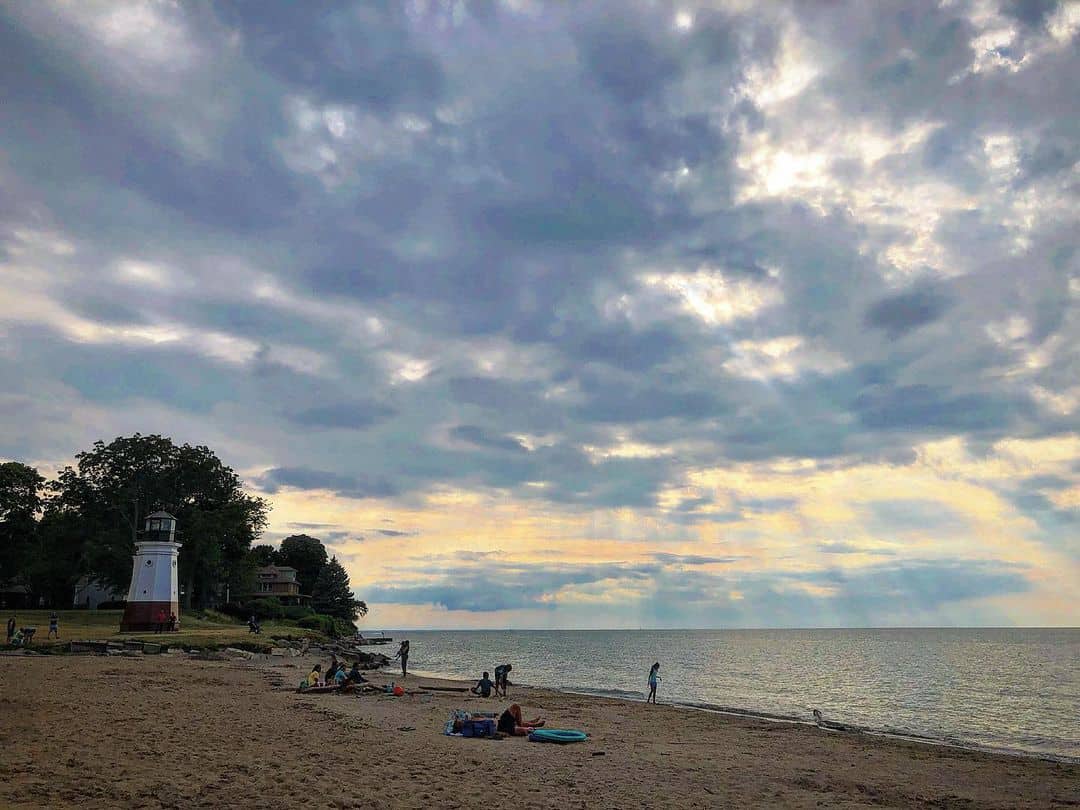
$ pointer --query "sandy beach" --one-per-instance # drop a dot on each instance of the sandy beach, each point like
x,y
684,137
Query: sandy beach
x,y
166,731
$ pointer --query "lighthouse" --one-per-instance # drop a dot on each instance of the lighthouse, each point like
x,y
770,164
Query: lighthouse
x,y
153,593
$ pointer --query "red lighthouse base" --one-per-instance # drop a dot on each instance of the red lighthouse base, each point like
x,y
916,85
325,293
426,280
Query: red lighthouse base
x,y
142,617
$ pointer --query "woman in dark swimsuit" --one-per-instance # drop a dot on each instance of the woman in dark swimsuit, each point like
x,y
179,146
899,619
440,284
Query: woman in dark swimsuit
x,y
510,722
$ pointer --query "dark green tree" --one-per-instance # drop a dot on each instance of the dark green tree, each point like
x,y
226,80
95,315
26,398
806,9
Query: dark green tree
x,y
114,486
332,595
307,555
263,555
20,504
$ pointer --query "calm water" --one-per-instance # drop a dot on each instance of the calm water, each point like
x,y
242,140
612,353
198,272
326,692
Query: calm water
x,y
997,688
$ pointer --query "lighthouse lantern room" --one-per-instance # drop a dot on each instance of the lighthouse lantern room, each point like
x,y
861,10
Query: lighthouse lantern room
x,y
153,597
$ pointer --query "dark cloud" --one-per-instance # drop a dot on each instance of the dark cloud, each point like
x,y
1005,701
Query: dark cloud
x,y
479,437
934,408
1030,12
899,314
692,559
347,486
354,415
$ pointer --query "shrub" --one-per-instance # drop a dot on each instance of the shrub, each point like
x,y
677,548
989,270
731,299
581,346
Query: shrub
x,y
112,604
297,612
234,609
220,616
268,608
327,625
324,624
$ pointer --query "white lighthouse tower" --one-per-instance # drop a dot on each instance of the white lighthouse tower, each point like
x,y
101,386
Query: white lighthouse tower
x,y
153,593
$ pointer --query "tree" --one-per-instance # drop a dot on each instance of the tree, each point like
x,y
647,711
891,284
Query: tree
x,y
115,486
307,555
263,555
20,503
332,595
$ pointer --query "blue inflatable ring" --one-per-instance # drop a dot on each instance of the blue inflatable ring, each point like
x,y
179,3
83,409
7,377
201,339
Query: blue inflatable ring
x,y
557,735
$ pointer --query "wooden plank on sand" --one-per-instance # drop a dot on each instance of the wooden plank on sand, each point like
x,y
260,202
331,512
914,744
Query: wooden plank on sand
x,y
445,688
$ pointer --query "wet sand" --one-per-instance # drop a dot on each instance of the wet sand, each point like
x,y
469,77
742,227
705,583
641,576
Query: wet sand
x,y
166,731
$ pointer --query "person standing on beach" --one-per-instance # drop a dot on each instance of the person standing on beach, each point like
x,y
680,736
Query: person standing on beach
x,y
403,654
654,679
54,625
501,681
10,629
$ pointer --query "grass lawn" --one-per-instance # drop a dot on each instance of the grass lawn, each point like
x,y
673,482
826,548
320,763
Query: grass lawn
x,y
104,625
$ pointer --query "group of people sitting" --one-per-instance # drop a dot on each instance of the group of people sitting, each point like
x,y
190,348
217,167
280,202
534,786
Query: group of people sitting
x,y
336,676
485,685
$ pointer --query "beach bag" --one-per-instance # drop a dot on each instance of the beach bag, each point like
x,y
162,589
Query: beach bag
x,y
479,727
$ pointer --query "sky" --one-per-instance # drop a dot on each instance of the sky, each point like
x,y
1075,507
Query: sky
x,y
602,314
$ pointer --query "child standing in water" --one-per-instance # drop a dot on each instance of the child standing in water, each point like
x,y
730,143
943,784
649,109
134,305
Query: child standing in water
x,y
654,678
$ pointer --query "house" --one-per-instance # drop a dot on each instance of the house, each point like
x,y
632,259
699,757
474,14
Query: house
x,y
90,593
14,594
279,581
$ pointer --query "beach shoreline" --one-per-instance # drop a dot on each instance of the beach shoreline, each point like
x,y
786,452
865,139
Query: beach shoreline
x,y
774,717
169,731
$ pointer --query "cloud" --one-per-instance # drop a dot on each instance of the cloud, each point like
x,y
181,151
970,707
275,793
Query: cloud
x,y
479,437
411,255
354,415
303,478
902,313
691,559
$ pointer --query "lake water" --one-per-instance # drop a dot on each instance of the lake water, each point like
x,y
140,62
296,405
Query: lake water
x,y
1005,689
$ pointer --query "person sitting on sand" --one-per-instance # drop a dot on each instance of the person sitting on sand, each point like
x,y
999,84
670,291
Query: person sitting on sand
x,y
314,678
501,681
355,675
654,678
510,722
483,686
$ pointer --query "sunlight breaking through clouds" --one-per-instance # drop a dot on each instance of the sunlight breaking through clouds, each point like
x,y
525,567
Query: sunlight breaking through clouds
x,y
756,310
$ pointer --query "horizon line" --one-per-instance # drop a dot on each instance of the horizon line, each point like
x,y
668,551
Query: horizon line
x,y
740,629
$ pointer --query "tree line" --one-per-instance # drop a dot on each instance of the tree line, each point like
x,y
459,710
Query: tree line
x,y
87,520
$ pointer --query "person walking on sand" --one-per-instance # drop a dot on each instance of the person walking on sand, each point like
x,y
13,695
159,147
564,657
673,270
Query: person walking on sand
x,y
654,679
54,626
403,654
